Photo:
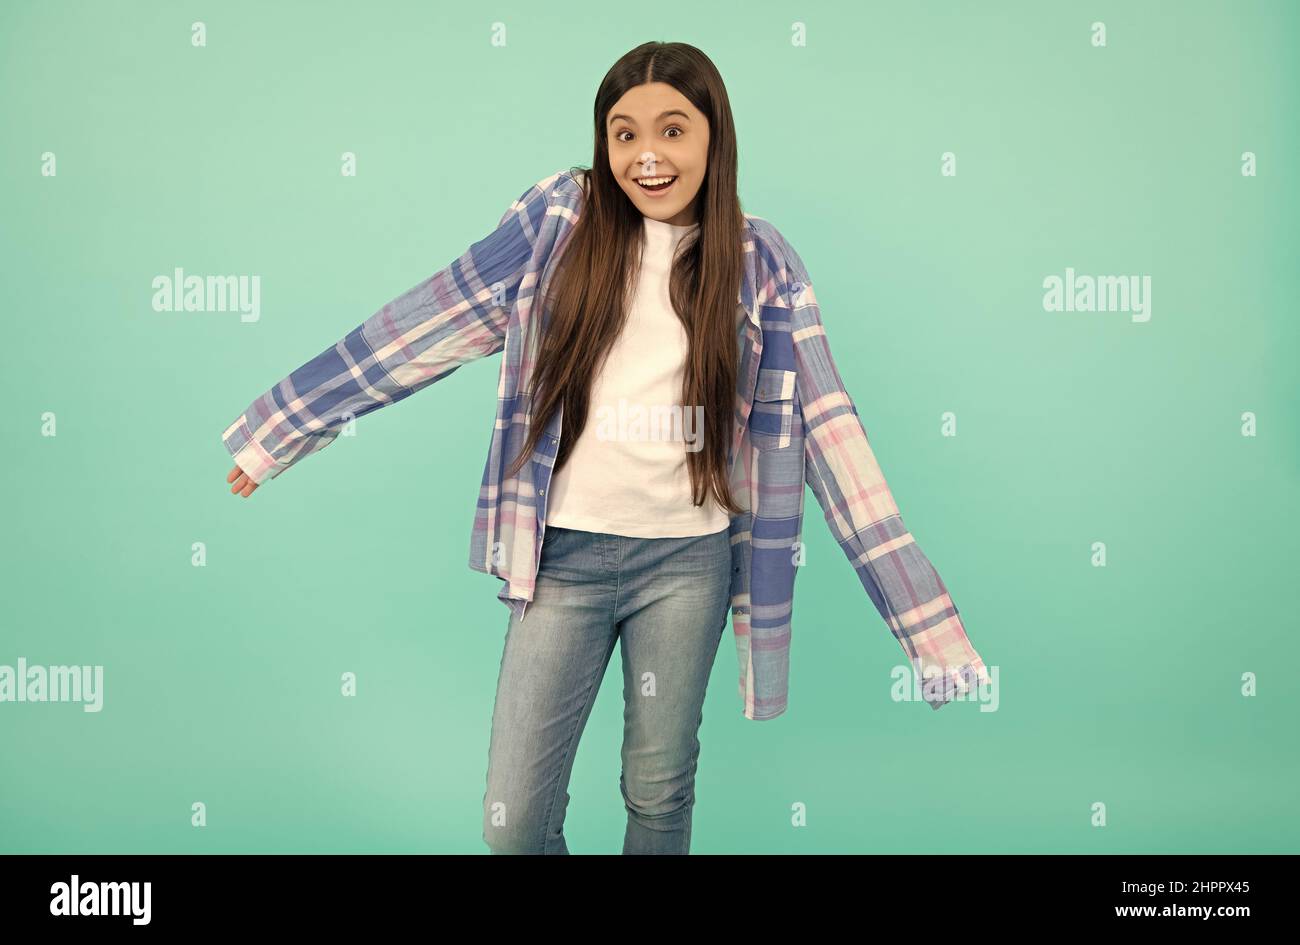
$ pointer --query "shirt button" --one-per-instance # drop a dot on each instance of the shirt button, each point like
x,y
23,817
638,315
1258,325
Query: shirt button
x,y
541,492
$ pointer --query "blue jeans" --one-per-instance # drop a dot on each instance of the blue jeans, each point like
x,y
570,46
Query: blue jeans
x,y
667,599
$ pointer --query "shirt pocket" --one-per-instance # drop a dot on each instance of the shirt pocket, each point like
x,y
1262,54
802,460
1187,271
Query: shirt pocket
x,y
773,421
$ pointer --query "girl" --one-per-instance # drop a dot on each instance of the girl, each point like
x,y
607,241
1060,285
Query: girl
x,y
681,339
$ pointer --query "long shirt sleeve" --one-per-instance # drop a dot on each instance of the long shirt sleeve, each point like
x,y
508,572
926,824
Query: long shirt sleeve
x,y
455,316
842,471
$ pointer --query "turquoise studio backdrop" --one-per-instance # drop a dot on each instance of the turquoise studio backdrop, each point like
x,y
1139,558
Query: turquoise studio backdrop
x,y
1109,495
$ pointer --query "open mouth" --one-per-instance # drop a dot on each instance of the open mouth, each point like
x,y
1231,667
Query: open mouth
x,y
656,185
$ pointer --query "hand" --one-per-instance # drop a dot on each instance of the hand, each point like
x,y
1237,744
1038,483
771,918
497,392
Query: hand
x,y
242,484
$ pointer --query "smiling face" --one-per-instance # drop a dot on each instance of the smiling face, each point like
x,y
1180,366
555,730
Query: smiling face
x,y
658,151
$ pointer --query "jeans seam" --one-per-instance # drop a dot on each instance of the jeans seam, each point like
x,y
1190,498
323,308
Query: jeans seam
x,y
618,578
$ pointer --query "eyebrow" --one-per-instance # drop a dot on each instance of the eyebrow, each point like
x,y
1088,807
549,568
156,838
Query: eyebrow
x,y
660,117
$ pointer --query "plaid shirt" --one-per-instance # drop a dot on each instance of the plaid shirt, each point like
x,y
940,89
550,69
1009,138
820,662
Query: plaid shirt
x,y
794,424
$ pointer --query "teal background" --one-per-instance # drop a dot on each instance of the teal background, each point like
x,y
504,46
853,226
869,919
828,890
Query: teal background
x,y
1119,685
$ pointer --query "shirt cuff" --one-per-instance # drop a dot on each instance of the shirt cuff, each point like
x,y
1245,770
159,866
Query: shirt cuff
x,y
248,453
938,690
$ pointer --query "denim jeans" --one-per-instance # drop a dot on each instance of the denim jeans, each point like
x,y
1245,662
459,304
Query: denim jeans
x,y
667,600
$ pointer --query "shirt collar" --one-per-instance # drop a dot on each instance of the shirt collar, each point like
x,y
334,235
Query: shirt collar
x,y
748,295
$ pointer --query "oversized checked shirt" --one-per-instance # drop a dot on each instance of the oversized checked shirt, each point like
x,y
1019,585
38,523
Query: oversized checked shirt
x,y
794,423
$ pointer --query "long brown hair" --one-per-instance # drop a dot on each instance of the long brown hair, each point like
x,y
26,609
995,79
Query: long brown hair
x,y
585,308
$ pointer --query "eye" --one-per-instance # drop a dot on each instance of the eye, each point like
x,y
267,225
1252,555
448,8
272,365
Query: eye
x,y
618,136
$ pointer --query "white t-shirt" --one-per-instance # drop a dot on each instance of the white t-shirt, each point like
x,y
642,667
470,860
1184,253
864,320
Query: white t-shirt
x,y
627,472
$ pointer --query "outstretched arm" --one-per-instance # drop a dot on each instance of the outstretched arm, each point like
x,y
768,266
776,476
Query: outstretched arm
x,y
842,471
455,316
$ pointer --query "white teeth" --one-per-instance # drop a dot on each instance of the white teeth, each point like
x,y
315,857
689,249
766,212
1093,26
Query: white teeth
x,y
653,181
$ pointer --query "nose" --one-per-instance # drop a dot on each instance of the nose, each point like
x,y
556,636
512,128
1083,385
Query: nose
x,y
648,160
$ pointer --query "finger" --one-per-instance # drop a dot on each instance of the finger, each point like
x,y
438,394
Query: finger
x,y
234,471
249,488
239,483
